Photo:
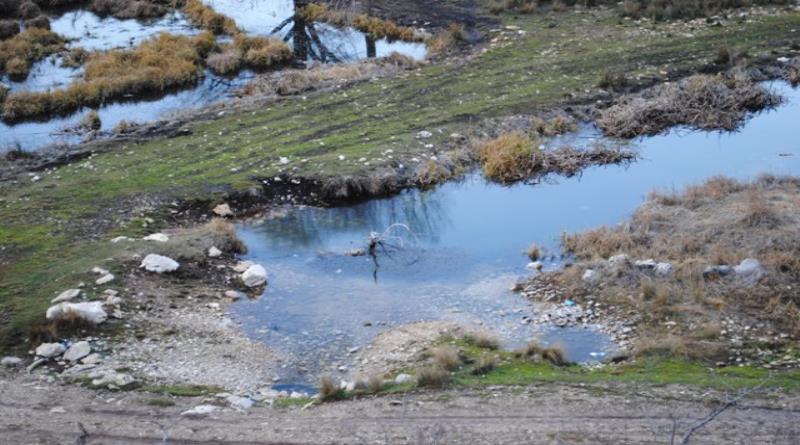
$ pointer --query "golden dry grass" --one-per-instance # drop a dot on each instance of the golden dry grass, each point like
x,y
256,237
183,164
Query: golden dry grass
x,y
262,52
536,352
446,357
158,64
446,39
203,16
376,27
21,50
329,390
432,377
483,339
510,157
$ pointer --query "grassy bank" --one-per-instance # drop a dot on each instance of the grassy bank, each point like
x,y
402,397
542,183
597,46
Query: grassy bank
x,y
51,226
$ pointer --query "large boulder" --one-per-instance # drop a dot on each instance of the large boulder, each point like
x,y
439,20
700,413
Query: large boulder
x,y
749,271
159,264
91,312
50,350
11,362
591,276
255,276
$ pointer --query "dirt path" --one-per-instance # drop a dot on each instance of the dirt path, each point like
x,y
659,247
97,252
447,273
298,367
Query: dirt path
x,y
41,413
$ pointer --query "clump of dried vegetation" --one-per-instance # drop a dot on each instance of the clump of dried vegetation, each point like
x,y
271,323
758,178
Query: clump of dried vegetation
x,y
700,102
204,16
482,339
448,38
158,64
322,76
517,156
21,50
329,390
720,222
432,377
135,9
375,27
535,351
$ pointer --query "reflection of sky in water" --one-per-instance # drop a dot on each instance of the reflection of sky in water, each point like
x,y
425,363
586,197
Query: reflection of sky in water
x,y
92,32
45,75
470,236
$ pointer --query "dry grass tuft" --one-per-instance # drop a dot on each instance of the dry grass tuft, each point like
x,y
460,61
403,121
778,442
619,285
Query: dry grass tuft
x,y
446,39
262,52
432,377
554,127
701,102
91,121
485,364
67,326
510,157
228,61
20,51
155,66
536,352
534,252
446,357
377,28
374,384
328,389
483,339
793,75
612,81
225,237
203,16
131,9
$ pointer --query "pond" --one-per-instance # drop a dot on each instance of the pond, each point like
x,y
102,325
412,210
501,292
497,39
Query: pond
x,y
465,245
91,32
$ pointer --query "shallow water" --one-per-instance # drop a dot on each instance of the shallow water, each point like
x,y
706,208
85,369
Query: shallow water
x,y
468,244
91,32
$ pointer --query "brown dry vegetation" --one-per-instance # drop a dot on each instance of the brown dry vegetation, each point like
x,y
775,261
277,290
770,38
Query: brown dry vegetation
x,y
446,39
127,9
20,51
700,102
534,351
203,16
262,52
158,64
720,222
483,340
377,28
321,76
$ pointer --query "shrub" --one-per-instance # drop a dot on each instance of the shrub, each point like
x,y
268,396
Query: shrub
x,y
8,28
329,390
510,157
483,340
446,357
432,377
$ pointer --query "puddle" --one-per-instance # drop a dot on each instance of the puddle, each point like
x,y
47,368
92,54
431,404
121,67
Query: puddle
x,y
91,32
261,17
468,245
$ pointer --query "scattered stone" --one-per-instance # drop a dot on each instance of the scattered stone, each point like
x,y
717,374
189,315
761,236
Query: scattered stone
x,y
424,134
50,350
11,362
58,410
749,270
113,300
99,271
403,378
240,403
157,237
645,264
591,276
159,264
618,260
105,279
535,266
78,351
67,295
714,271
120,239
255,276
91,312
112,380
223,210
213,252
242,266
92,359
199,411
234,295
663,269
355,252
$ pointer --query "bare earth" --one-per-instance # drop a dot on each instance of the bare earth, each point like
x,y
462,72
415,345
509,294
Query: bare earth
x,y
35,412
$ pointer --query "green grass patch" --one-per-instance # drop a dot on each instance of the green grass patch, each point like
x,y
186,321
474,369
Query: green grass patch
x,y
183,390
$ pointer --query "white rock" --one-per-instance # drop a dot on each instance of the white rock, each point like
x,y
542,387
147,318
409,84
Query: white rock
x,y
105,279
99,271
157,237
255,276
92,359
91,311
242,266
50,350
213,252
159,264
120,239
284,160
618,259
67,295
403,378
424,134
78,351
663,269
199,411
234,295
645,264
241,403
535,266
112,380
591,276
750,270
11,362
113,300
223,210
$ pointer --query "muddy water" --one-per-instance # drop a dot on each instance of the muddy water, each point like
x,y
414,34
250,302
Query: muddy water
x,y
468,242
91,32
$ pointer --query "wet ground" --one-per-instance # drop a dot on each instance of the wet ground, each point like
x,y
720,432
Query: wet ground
x,y
461,246
91,32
